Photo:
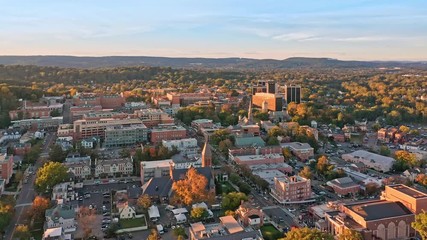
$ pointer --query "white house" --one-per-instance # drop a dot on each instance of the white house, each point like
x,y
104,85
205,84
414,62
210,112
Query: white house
x,y
127,212
153,213
61,216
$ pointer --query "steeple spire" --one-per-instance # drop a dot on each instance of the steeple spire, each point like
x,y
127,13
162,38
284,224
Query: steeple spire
x,y
250,116
207,154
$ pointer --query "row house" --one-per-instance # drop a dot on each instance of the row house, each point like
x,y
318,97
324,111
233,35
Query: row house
x,y
113,167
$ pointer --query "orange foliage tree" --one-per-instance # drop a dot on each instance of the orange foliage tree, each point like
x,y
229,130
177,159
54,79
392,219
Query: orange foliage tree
x,y
192,188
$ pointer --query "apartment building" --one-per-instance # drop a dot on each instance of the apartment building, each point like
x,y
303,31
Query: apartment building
x,y
155,169
6,167
167,132
152,117
293,93
186,146
291,189
86,128
48,123
258,159
78,166
61,215
113,167
125,135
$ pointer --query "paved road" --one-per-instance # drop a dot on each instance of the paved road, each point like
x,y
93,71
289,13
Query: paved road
x,y
26,197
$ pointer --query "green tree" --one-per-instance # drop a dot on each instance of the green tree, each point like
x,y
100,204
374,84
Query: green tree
x,y
56,154
306,173
307,234
287,154
232,200
225,145
385,151
420,224
49,175
199,213
179,231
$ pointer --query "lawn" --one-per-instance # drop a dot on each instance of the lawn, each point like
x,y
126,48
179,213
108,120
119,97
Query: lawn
x,y
269,232
131,223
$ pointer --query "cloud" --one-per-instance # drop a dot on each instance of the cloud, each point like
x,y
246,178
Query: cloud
x,y
296,36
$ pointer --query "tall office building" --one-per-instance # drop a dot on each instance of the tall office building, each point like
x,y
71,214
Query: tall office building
x,y
293,93
265,86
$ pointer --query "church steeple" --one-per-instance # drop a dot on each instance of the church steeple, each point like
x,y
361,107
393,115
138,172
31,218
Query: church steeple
x,y
207,154
250,116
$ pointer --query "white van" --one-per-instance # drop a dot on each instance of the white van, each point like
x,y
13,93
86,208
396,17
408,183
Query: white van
x,y
160,229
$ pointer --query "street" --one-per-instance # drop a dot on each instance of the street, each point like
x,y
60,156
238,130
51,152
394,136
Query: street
x,y
27,194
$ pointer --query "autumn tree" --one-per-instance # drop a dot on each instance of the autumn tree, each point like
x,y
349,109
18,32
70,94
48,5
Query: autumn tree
x,y
306,173
49,175
322,164
409,158
371,189
7,204
192,188
287,154
199,213
154,235
22,232
307,234
350,234
40,204
144,201
86,219
420,224
404,129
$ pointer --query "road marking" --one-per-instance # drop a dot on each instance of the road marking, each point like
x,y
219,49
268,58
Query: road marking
x,y
23,204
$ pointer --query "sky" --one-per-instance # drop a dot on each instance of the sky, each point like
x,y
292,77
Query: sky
x,y
343,29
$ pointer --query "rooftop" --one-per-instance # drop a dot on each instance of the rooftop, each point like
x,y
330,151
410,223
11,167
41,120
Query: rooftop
x,y
343,182
296,145
258,157
158,186
379,209
408,191
362,154
157,164
249,141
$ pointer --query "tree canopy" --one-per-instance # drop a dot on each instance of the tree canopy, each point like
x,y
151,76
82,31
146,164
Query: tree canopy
x,y
192,188
307,234
49,175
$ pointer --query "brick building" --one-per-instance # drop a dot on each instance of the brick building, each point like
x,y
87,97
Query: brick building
x,y
258,159
202,123
34,110
167,132
344,186
6,167
185,99
291,189
21,148
303,151
107,101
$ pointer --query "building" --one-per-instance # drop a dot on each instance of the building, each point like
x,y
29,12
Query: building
x,y
61,215
227,229
311,131
249,215
64,191
202,123
86,128
34,110
411,198
167,132
258,159
255,150
21,148
125,135
292,93
155,169
249,141
265,86
106,101
371,160
114,167
303,151
207,155
185,99
152,117
271,101
89,143
344,186
56,233
186,146
48,123
65,130
291,189
6,167
78,166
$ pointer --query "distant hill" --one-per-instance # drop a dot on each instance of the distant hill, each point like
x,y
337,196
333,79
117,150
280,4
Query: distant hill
x,y
219,63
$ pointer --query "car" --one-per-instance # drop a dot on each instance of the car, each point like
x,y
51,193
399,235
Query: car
x,y
87,195
106,221
291,209
106,214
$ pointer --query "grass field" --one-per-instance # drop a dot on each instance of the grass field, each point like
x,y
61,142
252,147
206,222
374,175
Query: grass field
x,y
269,232
131,223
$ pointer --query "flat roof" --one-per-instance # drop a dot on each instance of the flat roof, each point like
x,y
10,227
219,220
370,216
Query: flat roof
x,y
157,164
258,157
296,145
269,174
362,154
408,191
379,209
231,224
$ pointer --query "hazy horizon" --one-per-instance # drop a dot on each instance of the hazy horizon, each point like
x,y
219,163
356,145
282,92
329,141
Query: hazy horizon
x,y
378,30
